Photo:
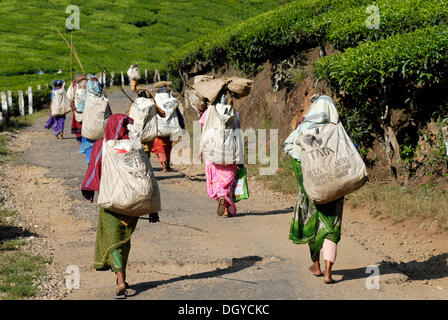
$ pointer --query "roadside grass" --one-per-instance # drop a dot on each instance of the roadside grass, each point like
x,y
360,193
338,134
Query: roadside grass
x,y
20,122
425,203
284,180
20,271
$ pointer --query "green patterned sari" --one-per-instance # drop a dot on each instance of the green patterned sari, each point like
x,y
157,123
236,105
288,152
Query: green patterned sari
x,y
113,241
313,223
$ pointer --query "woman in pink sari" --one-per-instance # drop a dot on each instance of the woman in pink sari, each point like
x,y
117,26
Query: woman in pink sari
x,y
221,177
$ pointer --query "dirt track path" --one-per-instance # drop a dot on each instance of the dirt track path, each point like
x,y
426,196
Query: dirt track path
x,y
195,254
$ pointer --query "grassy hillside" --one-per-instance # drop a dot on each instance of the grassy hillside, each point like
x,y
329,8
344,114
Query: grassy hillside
x,y
112,33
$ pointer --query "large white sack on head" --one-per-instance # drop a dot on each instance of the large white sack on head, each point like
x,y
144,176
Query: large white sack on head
x,y
170,124
143,112
134,72
94,117
128,185
331,165
60,104
221,141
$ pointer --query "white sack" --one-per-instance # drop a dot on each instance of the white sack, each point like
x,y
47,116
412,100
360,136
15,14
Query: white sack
x,y
169,125
144,114
94,117
60,105
331,165
128,185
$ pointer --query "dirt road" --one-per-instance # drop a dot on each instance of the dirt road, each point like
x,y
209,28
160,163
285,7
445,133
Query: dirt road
x,y
194,254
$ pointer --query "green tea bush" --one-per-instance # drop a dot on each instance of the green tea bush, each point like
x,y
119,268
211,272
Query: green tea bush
x,y
265,37
347,28
418,58
112,33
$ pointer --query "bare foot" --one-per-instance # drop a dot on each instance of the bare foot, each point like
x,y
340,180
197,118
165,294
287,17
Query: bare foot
x,y
315,269
328,279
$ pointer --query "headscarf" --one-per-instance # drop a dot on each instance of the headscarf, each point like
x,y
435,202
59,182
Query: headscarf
x,y
321,112
57,83
115,129
93,87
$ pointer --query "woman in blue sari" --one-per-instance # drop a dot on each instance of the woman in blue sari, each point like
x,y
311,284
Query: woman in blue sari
x,y
94,88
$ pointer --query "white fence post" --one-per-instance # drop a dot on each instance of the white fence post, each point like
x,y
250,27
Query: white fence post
x,y
30,100
4,104
146,76
112,75
104,79
122,78
21,103
10,98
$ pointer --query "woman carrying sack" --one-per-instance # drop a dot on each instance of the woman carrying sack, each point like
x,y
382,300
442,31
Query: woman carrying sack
x,y
221,174
93,88
75,94
113,238
149,128
317,225
58,108
167,126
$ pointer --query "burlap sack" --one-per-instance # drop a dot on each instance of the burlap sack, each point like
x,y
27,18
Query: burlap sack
x,y
60,104
331,165
209,89
143,112
240,86
128,185
202,78
94,117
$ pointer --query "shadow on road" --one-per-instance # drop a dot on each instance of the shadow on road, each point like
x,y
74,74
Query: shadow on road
x,y
238,264
265,213
177,176
13,232
435,267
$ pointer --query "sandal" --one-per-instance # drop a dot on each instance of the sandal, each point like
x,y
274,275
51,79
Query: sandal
x,y
120,293
221,207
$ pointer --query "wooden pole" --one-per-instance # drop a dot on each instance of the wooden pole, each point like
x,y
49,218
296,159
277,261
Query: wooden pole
x,y
188,173
71,56
74,50
69,152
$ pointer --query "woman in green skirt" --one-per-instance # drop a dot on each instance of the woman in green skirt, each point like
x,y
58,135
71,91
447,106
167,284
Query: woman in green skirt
x,y
317,225
113,233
